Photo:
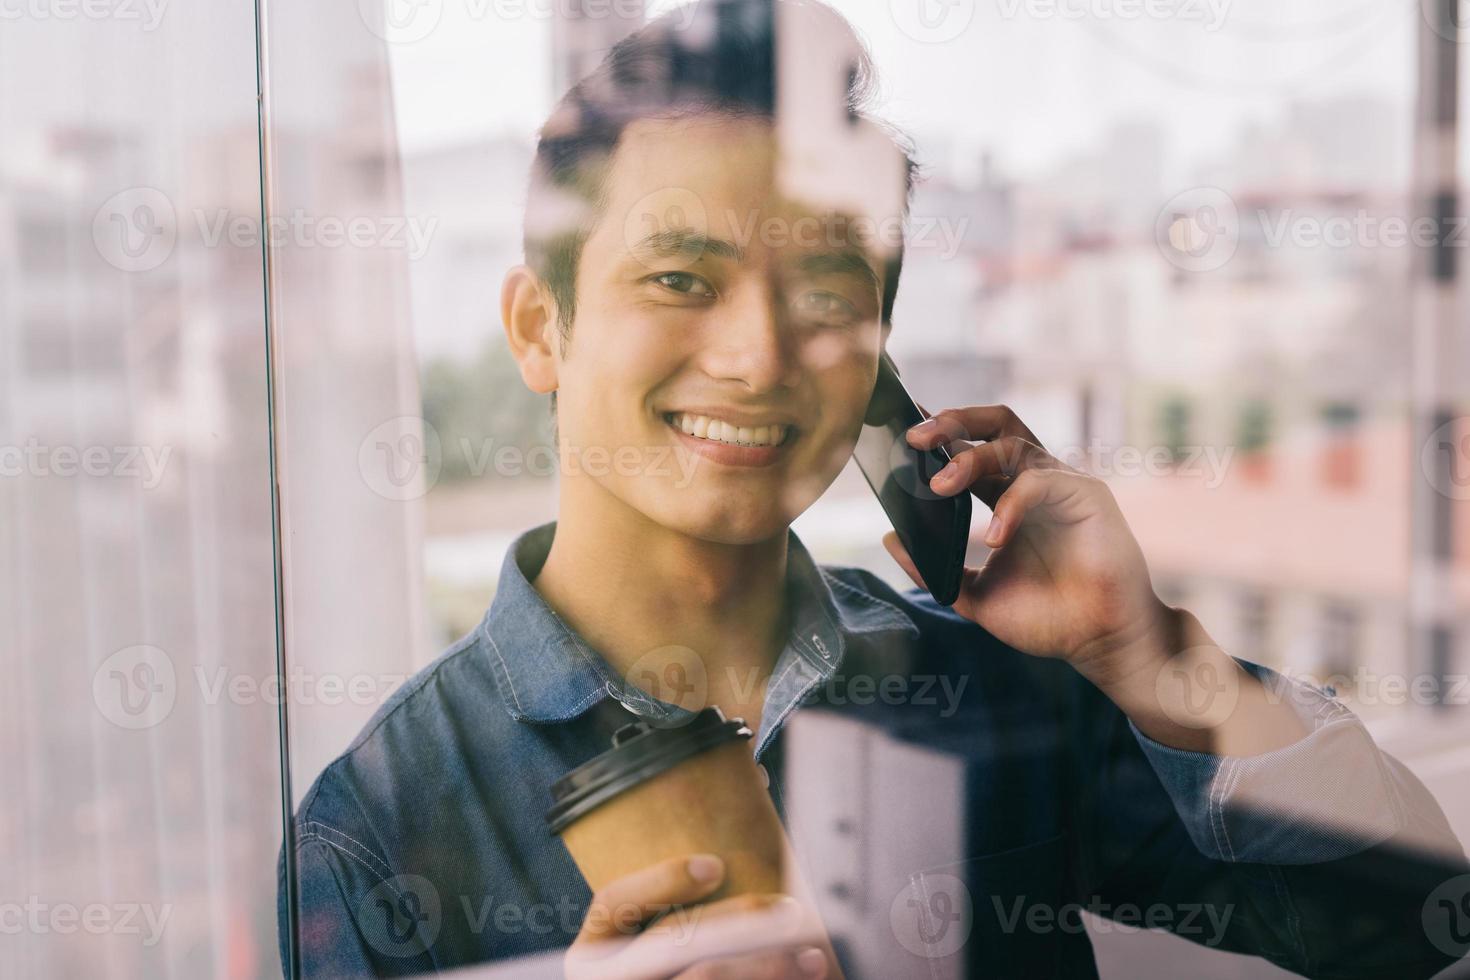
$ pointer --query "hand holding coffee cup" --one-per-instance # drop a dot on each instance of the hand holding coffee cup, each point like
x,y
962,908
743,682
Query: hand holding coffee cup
x,y
643,926
661,793
657,797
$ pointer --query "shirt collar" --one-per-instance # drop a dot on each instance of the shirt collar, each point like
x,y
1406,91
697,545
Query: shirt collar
x,y
547,673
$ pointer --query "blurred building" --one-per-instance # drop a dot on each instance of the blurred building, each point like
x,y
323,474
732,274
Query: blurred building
x,y
166,366
586,32
476,194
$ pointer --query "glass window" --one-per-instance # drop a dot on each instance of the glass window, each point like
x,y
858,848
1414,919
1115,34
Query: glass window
x,y
315,317
142,813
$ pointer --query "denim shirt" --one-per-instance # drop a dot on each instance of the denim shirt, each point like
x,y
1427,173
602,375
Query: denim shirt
x,y
423,847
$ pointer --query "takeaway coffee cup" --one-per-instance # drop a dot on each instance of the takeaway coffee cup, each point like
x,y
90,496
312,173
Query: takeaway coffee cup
x,y
661,793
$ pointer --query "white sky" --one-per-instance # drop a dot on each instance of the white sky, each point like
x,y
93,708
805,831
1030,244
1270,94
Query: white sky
x,y
1022,79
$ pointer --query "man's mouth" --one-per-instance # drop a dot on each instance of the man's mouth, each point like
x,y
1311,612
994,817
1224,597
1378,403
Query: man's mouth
x,y
717,430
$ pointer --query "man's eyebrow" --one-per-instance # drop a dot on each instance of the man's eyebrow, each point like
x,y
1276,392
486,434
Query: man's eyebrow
x,y
843,263
677,243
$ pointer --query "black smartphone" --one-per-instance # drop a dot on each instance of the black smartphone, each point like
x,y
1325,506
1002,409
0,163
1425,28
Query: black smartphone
x,y
934,529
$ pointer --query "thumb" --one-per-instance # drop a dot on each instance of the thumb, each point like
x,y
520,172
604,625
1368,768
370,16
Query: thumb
x,y
900,554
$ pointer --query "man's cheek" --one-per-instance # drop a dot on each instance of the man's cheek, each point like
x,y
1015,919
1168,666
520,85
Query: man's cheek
x,y
835,453
827,351
803,486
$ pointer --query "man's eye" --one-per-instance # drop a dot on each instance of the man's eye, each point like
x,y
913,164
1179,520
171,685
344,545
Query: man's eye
x,y
824,305
683,282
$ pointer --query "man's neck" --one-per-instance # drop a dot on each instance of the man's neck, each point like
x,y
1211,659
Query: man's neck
x,y
630,587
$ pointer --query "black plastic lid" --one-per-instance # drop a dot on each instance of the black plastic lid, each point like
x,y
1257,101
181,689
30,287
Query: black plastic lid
x,y
639,752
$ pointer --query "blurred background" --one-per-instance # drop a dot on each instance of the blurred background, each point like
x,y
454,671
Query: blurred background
x,y
1186,241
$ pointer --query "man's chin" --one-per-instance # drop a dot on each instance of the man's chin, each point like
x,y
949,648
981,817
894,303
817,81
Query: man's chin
x,y
725,525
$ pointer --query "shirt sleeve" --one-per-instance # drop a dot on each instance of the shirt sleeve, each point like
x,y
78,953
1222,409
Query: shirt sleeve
x,y
356,917
1321,857
1331,794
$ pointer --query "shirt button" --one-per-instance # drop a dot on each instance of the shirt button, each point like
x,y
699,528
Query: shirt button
x,y
765,776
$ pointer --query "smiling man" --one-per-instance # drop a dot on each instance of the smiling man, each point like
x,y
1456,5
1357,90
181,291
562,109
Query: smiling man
x,y
708,277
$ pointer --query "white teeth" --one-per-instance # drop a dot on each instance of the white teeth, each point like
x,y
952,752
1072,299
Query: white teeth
x,y
704,427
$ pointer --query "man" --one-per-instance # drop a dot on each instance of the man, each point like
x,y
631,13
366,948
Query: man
x,y
707,292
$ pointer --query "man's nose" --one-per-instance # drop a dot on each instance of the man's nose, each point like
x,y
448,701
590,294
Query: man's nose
x,y
752,343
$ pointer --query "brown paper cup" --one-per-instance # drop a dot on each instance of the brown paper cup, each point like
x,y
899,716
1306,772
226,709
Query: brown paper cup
x,y
671,793
710,803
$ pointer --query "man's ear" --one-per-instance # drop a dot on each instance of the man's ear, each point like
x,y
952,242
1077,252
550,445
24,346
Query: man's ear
x,y
529,315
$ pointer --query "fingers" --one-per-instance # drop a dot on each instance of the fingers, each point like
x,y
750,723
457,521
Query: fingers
x,y
698,936
986,468
975,422
736,928
900,554
806,964
1028,492
683,920
623,905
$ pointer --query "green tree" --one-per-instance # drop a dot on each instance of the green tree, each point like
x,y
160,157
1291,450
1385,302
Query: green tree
x,y
480,405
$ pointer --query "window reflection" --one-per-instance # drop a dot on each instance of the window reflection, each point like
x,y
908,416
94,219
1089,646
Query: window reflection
x,y
1182,246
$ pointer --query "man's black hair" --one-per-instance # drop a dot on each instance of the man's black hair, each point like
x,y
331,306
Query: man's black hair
x,y
722,61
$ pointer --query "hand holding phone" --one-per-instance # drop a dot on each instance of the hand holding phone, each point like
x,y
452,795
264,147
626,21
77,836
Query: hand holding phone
x,y
934,529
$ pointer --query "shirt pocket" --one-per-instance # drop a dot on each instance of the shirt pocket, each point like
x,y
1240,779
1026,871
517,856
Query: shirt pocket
x,y
1020,920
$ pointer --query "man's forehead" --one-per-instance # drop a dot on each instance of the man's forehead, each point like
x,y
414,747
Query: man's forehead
x,y
717,179
724,144
708,163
